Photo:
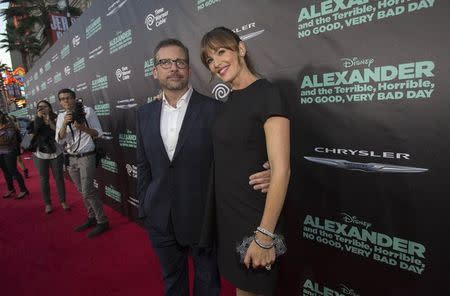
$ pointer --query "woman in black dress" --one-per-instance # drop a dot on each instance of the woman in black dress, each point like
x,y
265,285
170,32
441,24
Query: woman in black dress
x,y
253,127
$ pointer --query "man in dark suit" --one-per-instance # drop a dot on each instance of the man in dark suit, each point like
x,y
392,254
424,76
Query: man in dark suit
x,y
174,156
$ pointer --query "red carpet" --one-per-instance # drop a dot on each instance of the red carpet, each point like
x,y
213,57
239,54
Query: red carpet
x,y
41,255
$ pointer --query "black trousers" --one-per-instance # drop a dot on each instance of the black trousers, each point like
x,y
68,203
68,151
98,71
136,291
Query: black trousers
x,y
173,258
9,168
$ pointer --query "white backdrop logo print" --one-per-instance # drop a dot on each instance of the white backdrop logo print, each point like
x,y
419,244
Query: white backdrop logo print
x,y
76,41
119,74
156,19
149,20
220,91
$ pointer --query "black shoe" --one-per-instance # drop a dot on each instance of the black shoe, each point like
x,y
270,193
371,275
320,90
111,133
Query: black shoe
x,y
99,229
88,223
25,172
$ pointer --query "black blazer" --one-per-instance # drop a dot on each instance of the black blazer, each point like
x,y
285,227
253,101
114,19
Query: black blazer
x,y
177,188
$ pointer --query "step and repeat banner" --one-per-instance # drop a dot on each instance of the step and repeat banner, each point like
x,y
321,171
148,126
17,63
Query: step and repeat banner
x,y
368,82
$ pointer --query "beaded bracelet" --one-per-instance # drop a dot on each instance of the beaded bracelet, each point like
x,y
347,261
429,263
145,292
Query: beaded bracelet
x,y
261,245
265,232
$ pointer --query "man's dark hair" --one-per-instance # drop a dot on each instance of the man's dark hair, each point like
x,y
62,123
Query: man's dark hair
x,y
171,42
67,91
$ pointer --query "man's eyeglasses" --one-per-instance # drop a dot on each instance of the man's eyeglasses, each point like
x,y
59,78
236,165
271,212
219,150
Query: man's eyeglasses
x,y
167,63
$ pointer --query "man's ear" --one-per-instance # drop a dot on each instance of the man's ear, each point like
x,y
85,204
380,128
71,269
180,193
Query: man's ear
x,y
155,73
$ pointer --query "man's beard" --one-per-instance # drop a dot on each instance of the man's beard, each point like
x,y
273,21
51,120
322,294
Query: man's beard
x,y
175,85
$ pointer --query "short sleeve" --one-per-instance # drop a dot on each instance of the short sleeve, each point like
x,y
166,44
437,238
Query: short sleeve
x,y
274,104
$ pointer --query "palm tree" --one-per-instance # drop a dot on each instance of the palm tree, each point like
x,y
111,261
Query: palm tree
x,y
21,40
34,15
3,67
4,96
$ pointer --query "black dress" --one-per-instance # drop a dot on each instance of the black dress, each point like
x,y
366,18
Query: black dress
x,y
239,151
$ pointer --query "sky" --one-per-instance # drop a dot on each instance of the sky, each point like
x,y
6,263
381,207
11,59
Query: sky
x,y
5,57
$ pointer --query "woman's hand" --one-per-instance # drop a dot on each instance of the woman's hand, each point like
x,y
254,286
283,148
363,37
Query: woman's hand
x,y
46,118
258,257
44,115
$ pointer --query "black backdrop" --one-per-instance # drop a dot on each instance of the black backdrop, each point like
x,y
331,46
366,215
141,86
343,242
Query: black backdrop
x,y
368,204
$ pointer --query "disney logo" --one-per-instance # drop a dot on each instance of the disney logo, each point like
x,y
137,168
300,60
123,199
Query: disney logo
x,y
348,291
355,61
354,220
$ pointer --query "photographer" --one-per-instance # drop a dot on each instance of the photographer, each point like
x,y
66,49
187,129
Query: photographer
x,y
76,128
47,154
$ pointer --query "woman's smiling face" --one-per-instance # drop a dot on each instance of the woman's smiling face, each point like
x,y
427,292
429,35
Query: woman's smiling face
x,y
224,63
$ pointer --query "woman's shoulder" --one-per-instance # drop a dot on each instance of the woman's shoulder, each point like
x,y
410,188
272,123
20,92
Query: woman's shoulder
x,y
263,84
261,87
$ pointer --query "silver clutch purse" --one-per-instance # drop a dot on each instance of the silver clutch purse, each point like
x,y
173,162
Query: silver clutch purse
x,y
278,244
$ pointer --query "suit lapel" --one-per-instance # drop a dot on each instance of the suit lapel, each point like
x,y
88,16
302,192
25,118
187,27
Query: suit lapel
x,y
156,124
192,112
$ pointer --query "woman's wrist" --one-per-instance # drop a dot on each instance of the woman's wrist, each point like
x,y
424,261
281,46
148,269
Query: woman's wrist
x,y
264,245
266,232
263,238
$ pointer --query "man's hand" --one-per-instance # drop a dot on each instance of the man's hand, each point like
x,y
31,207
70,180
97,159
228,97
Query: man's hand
x,y
261,180
81,126
68,118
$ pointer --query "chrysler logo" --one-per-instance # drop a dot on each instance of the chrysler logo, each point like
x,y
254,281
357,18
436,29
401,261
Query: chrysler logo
x,y
113,8
371,167
251,35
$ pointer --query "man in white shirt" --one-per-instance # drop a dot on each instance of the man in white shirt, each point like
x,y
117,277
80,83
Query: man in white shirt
x,y
76,134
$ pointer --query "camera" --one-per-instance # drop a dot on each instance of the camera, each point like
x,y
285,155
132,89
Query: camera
x,y
78,114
